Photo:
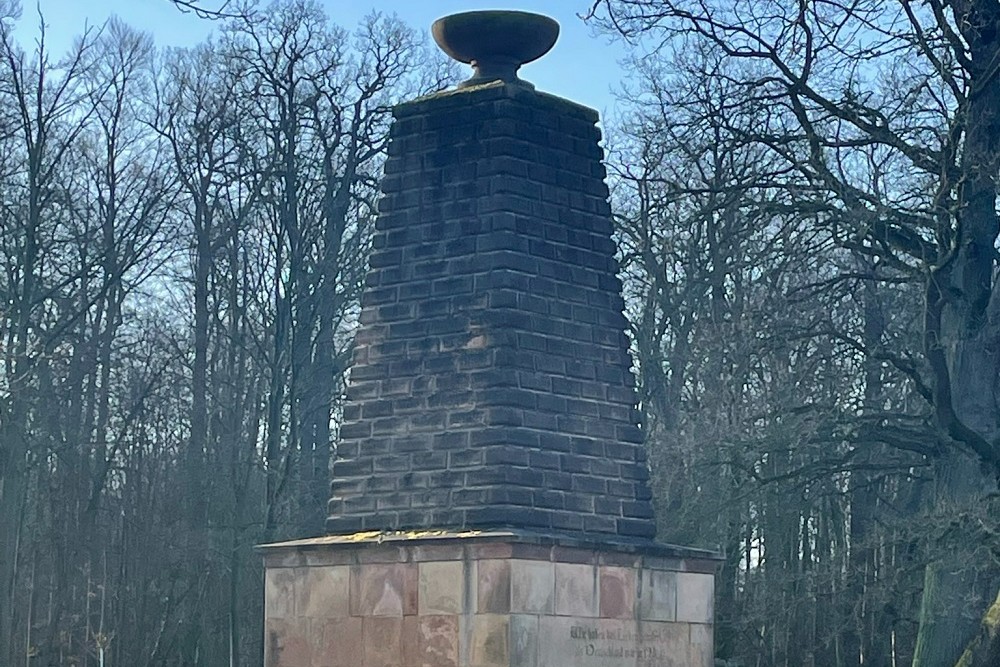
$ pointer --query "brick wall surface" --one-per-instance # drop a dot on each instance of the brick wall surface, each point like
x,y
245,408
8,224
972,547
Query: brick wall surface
x,y
491,384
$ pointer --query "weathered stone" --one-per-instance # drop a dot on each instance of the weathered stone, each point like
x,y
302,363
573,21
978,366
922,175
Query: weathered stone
x,y
339,643
438,641
489,645
279,592
410,641
323,592
493,586
524,640
287,643
666,644
411,589
442,587
532,585
575,589
381,638
560,604
490,498
495,43
582,642
617,592
701,649
377,589
695,597
658,595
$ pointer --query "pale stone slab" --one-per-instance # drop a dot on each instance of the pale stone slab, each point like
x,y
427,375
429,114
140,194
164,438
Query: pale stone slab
x,y
576,589
287,643
323,592
524,640
695,597
701,650
410,640
493,586
411,589
442,587
532,586
658,595
339,643
437,638
377,589
381,638
279,592
616,592
489,645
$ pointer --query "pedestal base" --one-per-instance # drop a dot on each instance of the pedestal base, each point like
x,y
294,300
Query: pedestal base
x,y
485,600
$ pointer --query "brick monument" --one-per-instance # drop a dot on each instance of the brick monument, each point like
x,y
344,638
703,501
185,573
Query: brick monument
x,y
491,504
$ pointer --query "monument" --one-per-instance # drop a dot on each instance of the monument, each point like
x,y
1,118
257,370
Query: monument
x,y
490,499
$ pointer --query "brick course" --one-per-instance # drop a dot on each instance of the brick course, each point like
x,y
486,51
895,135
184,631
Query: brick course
x,y
491,384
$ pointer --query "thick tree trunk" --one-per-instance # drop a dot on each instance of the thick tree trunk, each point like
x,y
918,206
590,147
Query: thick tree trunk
x,y
961,331
984,651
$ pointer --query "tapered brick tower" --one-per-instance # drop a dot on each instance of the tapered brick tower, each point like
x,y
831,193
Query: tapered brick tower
x,y
491,383
490,498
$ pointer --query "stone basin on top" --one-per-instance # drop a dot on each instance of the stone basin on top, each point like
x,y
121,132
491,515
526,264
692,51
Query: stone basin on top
x,y
496,43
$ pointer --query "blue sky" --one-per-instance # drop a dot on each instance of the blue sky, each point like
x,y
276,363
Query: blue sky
x,y
582,67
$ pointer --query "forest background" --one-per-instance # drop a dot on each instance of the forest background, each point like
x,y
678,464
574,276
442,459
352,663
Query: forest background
x,y
805,197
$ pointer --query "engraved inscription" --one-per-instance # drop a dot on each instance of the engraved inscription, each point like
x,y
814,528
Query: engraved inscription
x,y
581,642
657,646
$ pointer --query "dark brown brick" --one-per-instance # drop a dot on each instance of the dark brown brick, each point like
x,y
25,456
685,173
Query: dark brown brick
x,y
491,383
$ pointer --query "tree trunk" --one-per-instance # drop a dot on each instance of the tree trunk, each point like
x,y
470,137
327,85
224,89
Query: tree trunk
x,y
984,651
961,336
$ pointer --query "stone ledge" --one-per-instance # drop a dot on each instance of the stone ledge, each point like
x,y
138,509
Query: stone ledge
x,y
494,90
398,546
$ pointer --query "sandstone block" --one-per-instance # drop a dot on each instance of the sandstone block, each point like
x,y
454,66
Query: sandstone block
x,y
658,595
323,592
575,589
617,592
701,650
279,592
489,645
442,587
339,643
493,586
381,639
695,597
532,586
287,643
377,589
524,640
437,641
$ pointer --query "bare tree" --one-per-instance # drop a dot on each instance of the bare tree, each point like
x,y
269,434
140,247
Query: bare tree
x,y
49,107
745,318
182,250
322,111
217,10
886,118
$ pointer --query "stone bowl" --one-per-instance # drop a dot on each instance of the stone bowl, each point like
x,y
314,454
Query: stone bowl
x,y
495,42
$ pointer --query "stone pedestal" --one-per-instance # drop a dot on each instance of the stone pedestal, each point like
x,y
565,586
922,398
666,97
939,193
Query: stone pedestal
x,y
477,599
